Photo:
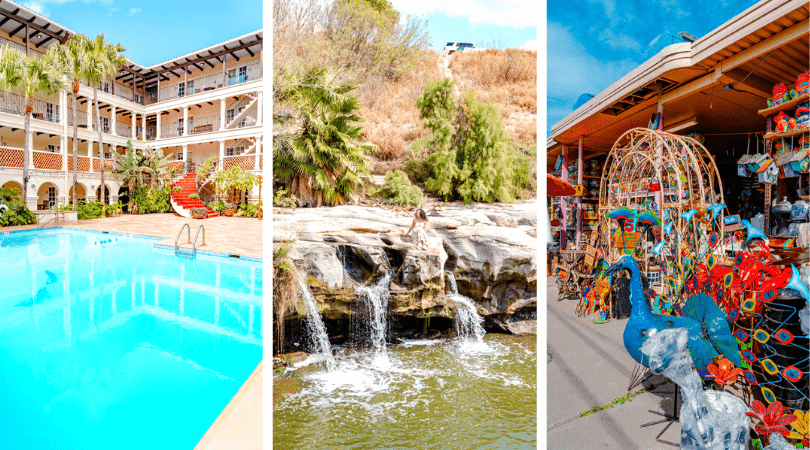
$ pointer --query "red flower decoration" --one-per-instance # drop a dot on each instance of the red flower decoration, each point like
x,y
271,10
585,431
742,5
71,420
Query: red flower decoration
x,y
723,372
774,419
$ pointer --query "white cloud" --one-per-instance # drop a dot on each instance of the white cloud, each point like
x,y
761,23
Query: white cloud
x,y
618,41
134,11
514,13
531,44
37,7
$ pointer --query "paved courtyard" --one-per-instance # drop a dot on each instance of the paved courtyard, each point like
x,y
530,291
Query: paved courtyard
x,y
589,367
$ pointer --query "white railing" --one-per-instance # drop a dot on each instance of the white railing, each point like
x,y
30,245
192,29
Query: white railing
x,y
122,91
171,129
11,103
204,124
243,74
80,114
41,111
248,121
233,76
123,129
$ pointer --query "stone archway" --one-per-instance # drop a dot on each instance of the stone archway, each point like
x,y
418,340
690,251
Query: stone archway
x,y
13,185
81,190
47,195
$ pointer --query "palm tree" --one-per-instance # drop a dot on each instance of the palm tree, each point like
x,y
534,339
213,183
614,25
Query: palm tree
x,y
70,59
29,76
321,161
103,61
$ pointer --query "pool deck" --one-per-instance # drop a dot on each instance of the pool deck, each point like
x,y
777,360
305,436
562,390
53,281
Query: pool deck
x,y
229,235
239,425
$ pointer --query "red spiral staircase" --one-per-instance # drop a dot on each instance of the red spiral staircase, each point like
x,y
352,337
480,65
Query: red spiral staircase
x,y
181,201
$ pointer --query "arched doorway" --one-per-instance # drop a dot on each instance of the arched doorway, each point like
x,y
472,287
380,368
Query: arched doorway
x,y
106,199
80,190
13,185
47,195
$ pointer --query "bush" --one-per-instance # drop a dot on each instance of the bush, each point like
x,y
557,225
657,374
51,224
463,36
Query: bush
x,y
282,200
248,210
94,210
152,200
17,213
399,189
217,206
471,157
194,196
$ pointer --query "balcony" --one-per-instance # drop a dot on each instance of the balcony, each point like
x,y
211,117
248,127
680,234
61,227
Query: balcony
x,y
13,158
233,76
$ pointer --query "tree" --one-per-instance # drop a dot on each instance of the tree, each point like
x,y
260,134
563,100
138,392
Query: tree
x,y
320,159
29,76
103,61
234,178
71,58
471,157
139,169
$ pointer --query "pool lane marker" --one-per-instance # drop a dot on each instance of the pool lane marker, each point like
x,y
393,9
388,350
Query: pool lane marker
x,y
104,241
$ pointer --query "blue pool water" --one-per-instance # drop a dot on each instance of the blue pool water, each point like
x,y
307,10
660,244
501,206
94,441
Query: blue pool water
x,y
117,344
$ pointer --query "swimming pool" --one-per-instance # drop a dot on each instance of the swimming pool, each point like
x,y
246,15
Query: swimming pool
x,y
108,342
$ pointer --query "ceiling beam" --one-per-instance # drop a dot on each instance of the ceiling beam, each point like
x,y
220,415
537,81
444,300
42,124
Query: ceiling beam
x,y
211,55
7,18
785,36
15,17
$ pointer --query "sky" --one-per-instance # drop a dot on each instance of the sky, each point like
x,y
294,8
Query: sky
x,y
505,23
593,45
157,30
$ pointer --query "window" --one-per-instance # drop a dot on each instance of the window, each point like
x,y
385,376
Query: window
x,y
51,112
53,148
450,44
105,124
105,86
190,87
51,196
107,155
229,115
179,156
181,90
238,75
179,127
235,151
139,98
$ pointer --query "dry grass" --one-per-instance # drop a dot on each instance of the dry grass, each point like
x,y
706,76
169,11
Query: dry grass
x,y
507,78
389,108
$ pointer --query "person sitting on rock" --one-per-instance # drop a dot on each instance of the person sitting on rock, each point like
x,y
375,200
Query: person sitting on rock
x,y
419,234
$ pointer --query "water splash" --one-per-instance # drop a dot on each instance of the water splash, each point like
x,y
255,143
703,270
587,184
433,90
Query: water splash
x,y
315,326
469,325
376,297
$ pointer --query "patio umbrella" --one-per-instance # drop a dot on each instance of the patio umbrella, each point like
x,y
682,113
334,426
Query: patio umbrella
x,y
558,187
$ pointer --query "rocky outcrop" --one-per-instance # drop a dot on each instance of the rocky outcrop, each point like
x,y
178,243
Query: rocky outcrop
x,y
491,250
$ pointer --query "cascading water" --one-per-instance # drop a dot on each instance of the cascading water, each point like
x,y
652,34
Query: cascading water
x,y
315,326
469,325
376,297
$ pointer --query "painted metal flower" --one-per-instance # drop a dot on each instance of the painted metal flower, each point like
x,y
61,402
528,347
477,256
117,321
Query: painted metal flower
x,y
723,372
774,419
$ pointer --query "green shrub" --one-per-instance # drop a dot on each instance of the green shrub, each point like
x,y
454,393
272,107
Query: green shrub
x,y
399,189
178,189
152,200
248,210
217,206
283,200
471,159
194,196
10,195
17,213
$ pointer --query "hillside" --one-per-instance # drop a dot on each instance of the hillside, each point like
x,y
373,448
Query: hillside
x,y
507,78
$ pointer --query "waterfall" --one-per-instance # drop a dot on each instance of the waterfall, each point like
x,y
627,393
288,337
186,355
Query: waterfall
x,y
469,325
376,297
315,325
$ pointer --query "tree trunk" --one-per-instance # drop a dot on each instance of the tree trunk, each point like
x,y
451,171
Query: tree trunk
x,y
26,148
75,145
100,147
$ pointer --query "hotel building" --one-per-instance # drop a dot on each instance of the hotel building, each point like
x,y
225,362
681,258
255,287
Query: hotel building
x,y
202,104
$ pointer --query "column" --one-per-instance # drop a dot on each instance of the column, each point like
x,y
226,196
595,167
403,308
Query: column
x,y
222,113
185,120
113,119
63,107
580,165
134,123
90,155
257,154
89,113
259,108
221,153
157,135
563,203
185,157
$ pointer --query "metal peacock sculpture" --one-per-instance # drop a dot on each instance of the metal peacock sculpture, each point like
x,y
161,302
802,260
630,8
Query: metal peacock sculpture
x,y
709,333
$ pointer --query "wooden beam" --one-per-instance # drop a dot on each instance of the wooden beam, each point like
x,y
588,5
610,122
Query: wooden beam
x,y
786,36
18,29
247,49
7,18
211,55
47,38
15,17
209,63
197,66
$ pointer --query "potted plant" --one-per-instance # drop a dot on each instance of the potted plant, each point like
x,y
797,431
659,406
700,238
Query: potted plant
x,y
230,209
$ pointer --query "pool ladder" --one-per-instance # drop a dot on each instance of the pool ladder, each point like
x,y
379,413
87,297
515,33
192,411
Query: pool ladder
x,y
179,251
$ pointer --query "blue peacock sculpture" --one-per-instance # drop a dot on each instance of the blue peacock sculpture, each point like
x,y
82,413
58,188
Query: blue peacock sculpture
x,y
709,332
